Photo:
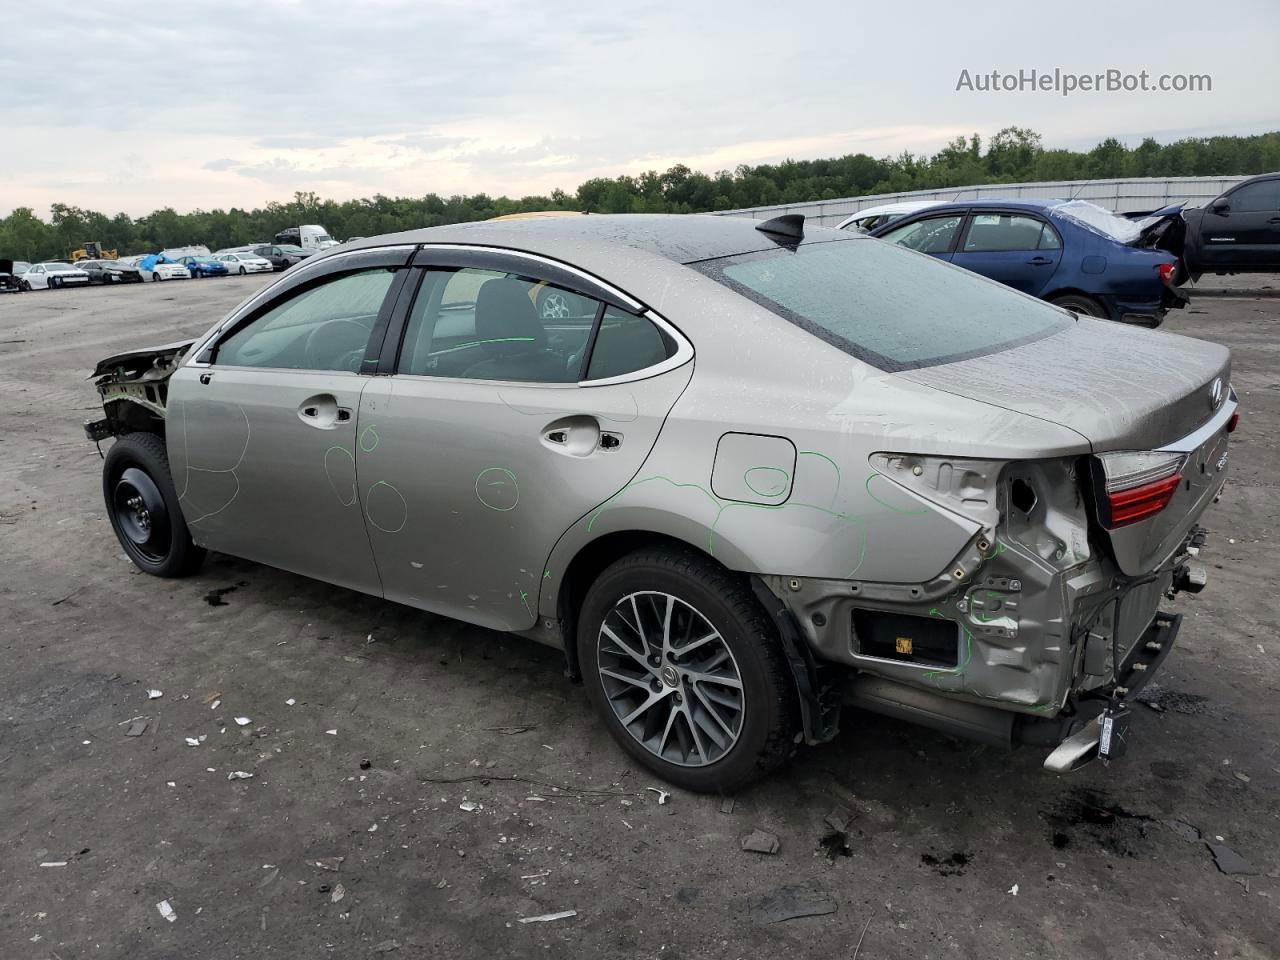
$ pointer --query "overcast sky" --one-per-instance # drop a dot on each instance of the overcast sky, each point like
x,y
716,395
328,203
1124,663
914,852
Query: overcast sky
x,y
229,103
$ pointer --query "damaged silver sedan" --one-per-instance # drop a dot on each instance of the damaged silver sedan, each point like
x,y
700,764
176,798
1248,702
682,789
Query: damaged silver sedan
x,y
744,475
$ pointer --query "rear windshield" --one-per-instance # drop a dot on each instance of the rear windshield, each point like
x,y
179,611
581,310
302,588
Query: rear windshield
x,y
894,308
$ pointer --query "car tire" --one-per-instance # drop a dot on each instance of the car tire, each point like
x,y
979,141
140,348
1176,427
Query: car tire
x,y
1082,304
700,733
243,271
143,507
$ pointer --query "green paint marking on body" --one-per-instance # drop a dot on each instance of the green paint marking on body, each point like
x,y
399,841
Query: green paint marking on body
x,y
889,506
780,482
371,429
524,598
497,480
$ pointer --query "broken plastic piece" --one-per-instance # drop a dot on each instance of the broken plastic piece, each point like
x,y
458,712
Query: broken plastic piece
x,y
243,721
290,702
239,775
166,911
543,918
760,841
332,733
663,796
339,891
469,806
329,863
155,695
136,729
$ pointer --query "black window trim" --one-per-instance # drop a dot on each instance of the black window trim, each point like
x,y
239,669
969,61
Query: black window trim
x,y
306,276
537,267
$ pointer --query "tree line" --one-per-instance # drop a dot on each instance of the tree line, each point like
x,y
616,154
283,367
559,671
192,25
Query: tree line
x,y
1013,155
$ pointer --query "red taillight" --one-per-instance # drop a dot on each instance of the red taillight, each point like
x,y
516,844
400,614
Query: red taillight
x,y
1167,270
1138,503
1233,422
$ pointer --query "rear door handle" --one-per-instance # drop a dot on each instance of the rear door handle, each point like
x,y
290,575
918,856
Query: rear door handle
x,y
1274,220
322,412
1039,261
205,378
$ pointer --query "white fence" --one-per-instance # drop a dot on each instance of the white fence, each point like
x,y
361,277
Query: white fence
x,y
1123,196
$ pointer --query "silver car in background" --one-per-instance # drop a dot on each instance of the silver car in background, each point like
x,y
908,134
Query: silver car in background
x,y
758,472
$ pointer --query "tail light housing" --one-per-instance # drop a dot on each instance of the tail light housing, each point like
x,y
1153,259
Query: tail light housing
x,y
1133,486
1167,272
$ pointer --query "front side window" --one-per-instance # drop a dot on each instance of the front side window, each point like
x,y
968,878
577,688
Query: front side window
x,y
1255,197
934,235
324,327
894,310
996,232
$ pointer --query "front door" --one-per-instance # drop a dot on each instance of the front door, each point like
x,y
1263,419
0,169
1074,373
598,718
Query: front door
x,y
499,429
1015,249
934,235
262,428
1243,233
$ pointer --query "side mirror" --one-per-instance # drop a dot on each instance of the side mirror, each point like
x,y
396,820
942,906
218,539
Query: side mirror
x,y
1221,205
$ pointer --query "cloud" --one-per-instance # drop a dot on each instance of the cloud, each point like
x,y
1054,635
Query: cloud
x,y
416,96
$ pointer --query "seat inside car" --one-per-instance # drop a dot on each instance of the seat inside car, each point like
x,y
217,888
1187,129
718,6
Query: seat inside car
x,y
514,341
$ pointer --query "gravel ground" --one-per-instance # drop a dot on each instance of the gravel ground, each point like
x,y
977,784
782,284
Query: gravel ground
x,y
373,728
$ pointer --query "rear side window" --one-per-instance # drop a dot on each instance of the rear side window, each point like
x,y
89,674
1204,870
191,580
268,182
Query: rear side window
x,y
886,306
933,235
996,232
625,344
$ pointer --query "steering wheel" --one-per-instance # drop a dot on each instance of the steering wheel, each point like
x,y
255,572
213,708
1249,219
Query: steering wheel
x,y
343,330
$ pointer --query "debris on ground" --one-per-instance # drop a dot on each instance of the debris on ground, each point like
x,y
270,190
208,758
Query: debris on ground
x,y
1161,699
663,796
166,911
544,918
365,763
136,729
339,891
290,702
1230,862
760,841
54,863
469,806
196,741
839,819
215,705
386,946
507,731
727,804
791,901
239,775
243,721
949,865
332,733
329,863
1014,890
213,698
154,694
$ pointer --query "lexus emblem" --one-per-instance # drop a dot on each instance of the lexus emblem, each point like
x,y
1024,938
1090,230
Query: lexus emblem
x,y
1216,394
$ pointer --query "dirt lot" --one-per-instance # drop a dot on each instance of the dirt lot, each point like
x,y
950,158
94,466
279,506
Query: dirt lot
x,y
953,850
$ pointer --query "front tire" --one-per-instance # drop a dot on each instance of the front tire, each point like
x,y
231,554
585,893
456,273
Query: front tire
x,y
142,504
687,670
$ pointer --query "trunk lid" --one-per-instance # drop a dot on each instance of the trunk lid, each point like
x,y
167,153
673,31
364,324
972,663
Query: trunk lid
x,y
1122,388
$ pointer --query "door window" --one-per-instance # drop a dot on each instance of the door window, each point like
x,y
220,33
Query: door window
x,y
1256,197
487,325
933,235
994,232
325,327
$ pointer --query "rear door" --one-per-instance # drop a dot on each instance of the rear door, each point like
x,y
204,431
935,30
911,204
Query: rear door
x,y
497,428
262,421
1016,249
1243,233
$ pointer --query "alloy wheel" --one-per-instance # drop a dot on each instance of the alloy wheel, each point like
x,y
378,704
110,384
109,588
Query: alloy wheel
x,y
670,679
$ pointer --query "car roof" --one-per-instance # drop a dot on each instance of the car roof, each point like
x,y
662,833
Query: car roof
x,y
901,206
680,238
1040,206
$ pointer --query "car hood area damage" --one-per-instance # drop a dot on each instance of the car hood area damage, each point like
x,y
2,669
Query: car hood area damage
x,y
134,389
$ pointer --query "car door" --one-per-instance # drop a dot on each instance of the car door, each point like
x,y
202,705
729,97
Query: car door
x,y
497,428
1241,230
261,420
1016,249
935,235
37,278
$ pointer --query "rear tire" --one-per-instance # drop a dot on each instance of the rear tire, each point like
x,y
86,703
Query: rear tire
x,y
722,703
142,504
1082,304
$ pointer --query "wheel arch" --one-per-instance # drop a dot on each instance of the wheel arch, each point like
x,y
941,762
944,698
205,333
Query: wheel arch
x,y
1068,291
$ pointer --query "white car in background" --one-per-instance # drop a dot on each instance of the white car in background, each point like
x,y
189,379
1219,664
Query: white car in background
x,y
242,263
866,220
48,276
168,271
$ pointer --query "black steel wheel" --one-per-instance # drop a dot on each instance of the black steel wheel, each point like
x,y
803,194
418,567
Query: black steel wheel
x,y
143,507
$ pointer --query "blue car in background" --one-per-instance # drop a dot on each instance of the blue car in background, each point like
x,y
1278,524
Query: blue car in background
x,y
1070,252
204,266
